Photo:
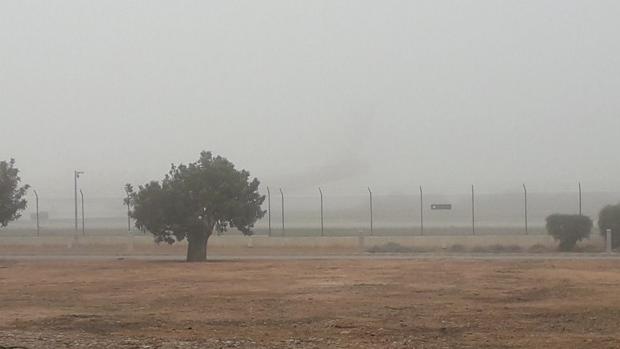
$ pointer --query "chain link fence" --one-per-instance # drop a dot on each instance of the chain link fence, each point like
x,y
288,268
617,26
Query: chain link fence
x,y
348,215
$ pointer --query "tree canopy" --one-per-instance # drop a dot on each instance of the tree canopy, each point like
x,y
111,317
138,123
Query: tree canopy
x,y
569,229
192,201
12,201
609,218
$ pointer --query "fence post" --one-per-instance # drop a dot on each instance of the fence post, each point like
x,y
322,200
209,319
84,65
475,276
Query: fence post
x,y
525,205
322,226
36,195
421,212
128,210
580,199
282,195
83,229
371,218
269,209
76,175
473,212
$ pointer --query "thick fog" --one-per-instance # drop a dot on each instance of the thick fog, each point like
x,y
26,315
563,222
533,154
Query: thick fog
x,y
338,94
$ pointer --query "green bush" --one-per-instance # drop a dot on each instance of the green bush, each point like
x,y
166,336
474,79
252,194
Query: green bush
x,y
569,229
609,218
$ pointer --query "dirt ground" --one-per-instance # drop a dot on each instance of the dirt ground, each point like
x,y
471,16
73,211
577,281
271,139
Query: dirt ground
x,y
310,304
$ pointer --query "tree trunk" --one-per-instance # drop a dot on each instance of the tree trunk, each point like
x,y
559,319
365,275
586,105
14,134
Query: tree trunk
x,y
197,247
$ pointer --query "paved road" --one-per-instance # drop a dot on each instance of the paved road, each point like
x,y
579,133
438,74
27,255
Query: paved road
x,y
418,256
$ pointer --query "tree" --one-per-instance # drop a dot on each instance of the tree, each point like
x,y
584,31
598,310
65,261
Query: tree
x,y
12,201
569,229
609,218
194,200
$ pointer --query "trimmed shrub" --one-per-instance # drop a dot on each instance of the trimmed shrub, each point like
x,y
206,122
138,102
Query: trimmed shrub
x,y
569,229
609,218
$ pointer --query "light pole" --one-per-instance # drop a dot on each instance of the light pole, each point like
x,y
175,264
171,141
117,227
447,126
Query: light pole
x,y
371,221
322,229
76,175
82,195
36,195
269,208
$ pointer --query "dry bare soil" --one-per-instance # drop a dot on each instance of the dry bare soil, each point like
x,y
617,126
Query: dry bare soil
x,y
310,304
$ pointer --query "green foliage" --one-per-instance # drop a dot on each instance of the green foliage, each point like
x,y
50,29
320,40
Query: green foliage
x,y
196,199
609,218
569,229
12,201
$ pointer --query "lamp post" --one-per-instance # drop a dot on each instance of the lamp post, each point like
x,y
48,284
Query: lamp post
x,y
76,175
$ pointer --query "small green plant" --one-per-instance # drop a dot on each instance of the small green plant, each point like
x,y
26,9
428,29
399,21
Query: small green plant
x,y
568,229
609,218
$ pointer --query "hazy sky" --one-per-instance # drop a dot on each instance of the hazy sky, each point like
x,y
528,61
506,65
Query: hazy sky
x,y
342,94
